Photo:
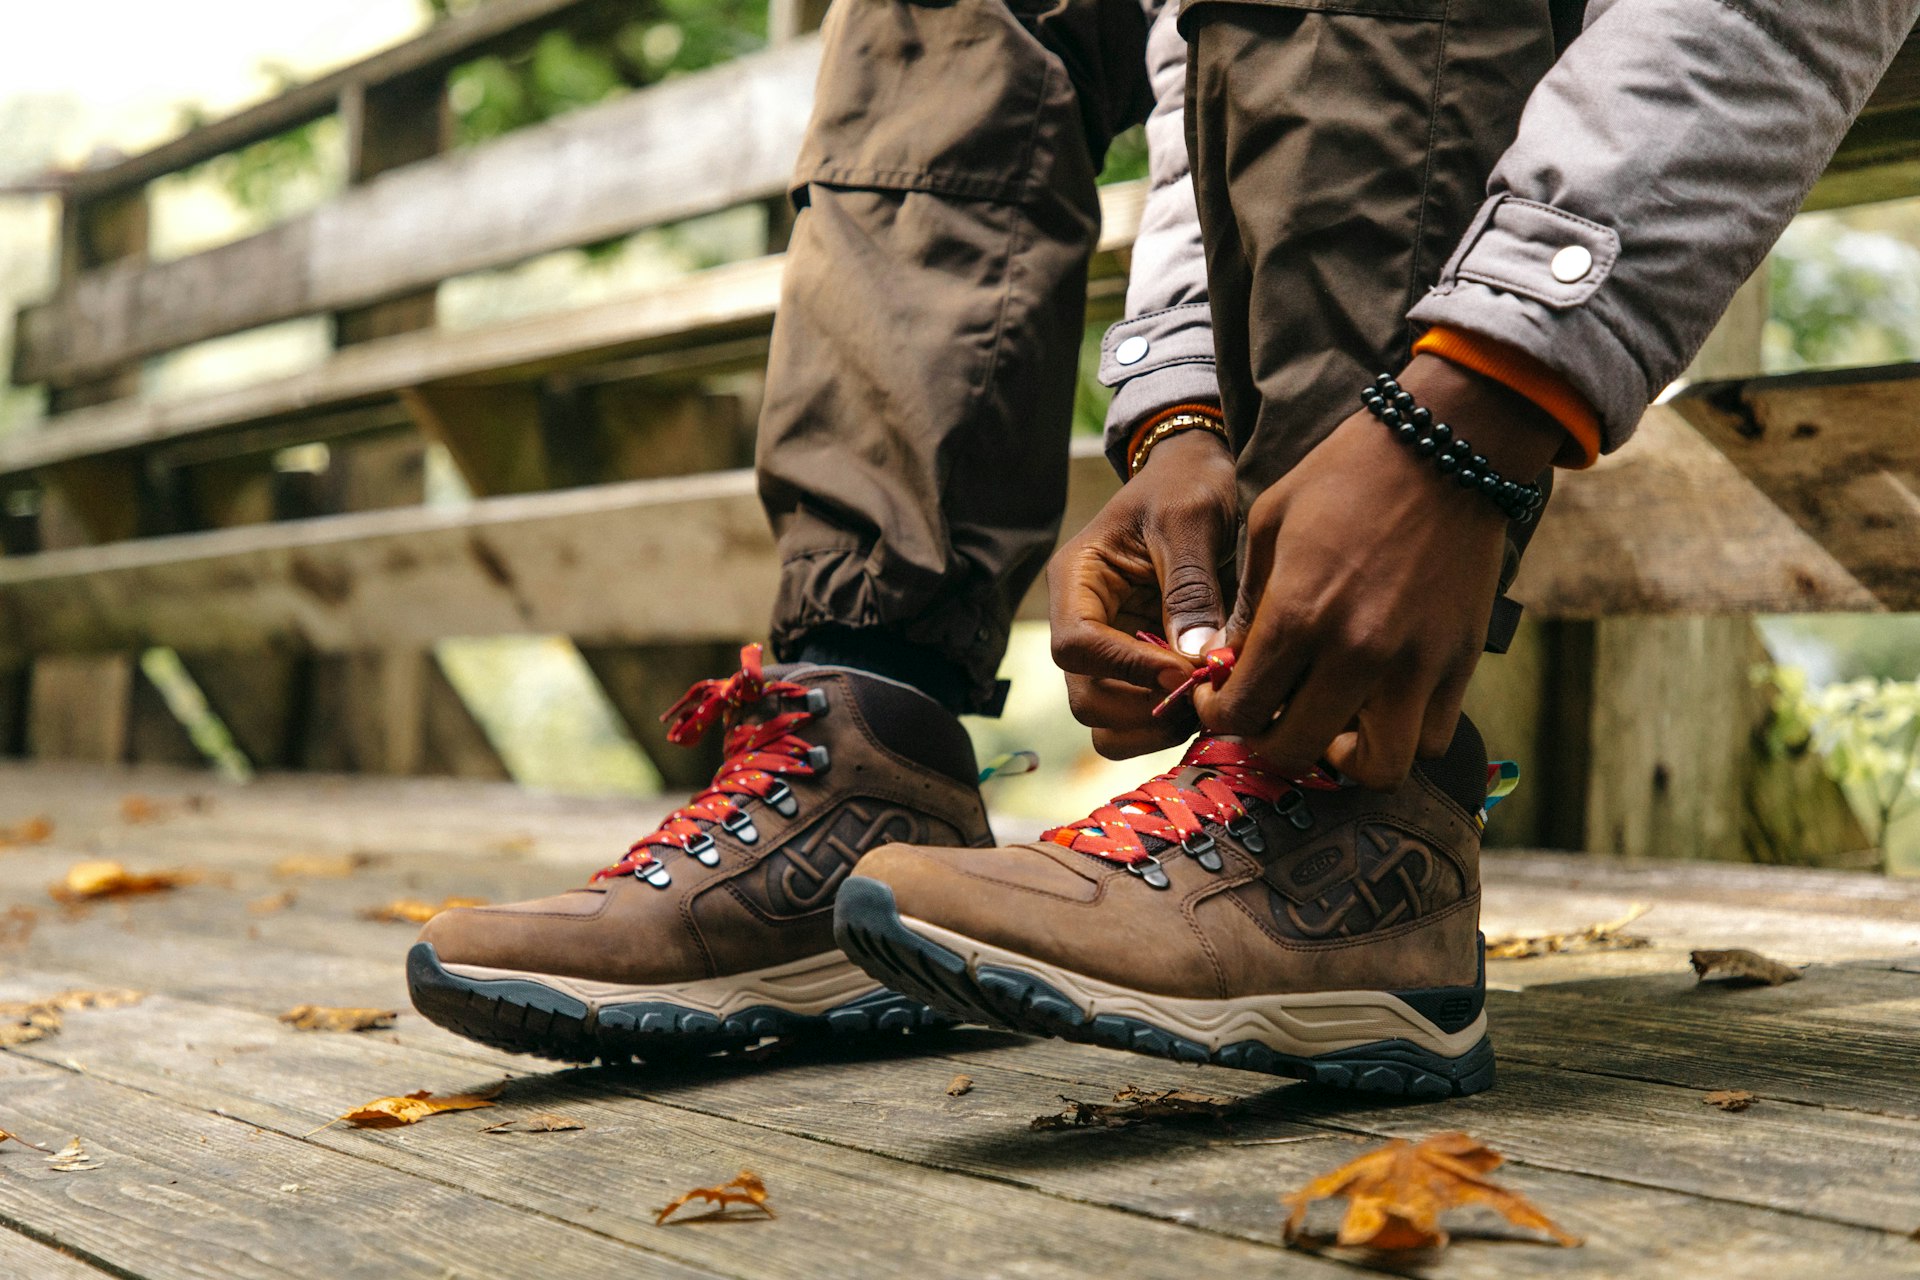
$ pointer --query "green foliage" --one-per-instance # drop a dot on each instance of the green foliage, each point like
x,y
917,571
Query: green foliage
x,y
1842,296
1866,731
1126,157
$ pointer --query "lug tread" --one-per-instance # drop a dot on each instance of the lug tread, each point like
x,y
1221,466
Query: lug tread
x,y
524,1016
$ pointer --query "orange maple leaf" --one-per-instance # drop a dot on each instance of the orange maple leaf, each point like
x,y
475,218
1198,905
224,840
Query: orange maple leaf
x,y
89,880
412,1108
1396,1194
415,911
746,1189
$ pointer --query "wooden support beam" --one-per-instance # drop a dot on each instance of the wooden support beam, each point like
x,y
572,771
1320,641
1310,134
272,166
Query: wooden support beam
x,y
708,320
79,707
686,147
492,433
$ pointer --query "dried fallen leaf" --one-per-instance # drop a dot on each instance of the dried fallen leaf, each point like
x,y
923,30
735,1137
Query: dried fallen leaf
x,y
272,904
959,1085
32,831
1729,1099
139,809
1605,936
391,1113
14,1137
24,1021
415,911
72,1158
1131,1106
746,1189
535,1124
1742,966
319,1017
321,866
1396,1194
87,881
16,927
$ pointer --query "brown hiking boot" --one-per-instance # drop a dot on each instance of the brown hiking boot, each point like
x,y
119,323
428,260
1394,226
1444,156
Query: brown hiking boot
x,y
717,929
1218,913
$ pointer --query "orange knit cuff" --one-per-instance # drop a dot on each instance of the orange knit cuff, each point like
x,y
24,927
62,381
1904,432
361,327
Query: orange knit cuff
x,y
1140,432
1526,374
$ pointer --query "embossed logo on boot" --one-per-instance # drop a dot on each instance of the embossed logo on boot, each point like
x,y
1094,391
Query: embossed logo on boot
x,y
1395,877
805,873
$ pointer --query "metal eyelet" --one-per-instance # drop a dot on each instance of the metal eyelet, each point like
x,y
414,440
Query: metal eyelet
x,y
1200,847
1294,809
704,851
818,758
739,825
1150,871
781,800
1247,832
655,875
816,702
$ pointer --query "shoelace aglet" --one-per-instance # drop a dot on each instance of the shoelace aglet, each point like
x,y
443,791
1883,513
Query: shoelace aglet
x,y
1213,672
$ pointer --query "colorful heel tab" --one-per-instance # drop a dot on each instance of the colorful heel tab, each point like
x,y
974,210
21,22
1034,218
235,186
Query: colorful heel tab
x,y
1502,777
1011,765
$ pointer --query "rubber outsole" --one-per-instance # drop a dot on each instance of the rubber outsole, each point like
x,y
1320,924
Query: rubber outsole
x,y
523,1016
868,927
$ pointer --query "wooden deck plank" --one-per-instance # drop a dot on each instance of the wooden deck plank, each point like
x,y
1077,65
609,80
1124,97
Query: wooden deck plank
x,y
255,1071
840,1210
23,1257
185,1193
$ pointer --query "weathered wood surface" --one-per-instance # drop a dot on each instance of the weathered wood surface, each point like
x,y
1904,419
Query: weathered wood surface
x,y
1838,453
1605,1057
717,317
685,147
1668,528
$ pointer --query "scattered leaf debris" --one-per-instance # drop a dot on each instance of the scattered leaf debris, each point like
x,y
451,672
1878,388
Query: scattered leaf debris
x,y
321,866
1396,1194
391,1113
24,1021
37,830
6,1136
415,910
88,881
536,1124
747,1189
959,1085
1133,1105
138,809
72,1158
1605,936
1748,968
16,927
272,904
1729,1099
319,1017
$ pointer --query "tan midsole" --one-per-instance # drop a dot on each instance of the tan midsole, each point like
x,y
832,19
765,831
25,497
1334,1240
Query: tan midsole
x,y
1306,1024
813,985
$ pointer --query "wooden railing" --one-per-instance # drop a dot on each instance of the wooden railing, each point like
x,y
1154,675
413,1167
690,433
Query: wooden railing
x,y
603,452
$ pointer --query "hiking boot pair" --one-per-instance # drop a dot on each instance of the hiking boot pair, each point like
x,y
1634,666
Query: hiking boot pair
x,y
836,876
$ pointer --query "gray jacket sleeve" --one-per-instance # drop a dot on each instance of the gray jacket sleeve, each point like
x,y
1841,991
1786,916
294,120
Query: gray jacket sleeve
x,y
1655,165
1162,353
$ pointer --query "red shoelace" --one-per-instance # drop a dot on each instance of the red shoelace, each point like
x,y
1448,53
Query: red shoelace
x,y
757,755
1175,812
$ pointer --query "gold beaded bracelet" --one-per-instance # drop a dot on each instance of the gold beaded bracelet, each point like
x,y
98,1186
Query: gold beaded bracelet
x,y
1174,424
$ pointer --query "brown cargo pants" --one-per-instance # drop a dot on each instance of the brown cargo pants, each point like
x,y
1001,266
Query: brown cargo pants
x,y
913,441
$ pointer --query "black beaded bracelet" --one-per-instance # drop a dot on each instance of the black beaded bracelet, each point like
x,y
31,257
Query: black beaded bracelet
x,y
1413,426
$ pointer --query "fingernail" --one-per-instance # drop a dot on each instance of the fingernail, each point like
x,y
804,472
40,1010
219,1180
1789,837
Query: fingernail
x,y
1196,641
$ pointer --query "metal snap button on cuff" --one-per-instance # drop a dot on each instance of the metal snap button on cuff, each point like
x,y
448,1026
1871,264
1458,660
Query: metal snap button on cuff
x,y
1132,351
1571,263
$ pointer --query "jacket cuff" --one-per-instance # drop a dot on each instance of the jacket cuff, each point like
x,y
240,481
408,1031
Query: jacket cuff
x,y
1155,361
1521,373
1530,276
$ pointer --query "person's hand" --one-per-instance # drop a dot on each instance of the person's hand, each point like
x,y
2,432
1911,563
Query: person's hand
x,y
1369,581
1150,561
